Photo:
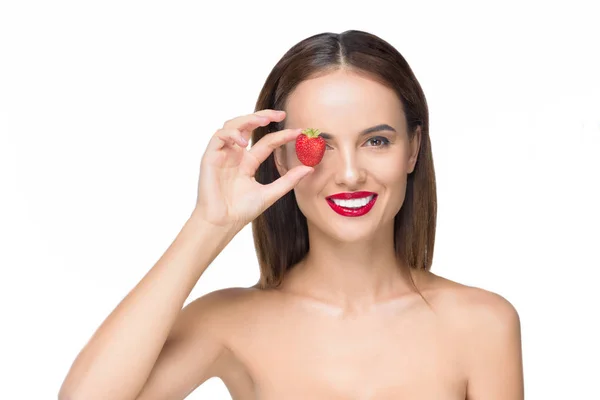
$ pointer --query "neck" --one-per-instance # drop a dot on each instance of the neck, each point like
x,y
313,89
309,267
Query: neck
x,y
354,275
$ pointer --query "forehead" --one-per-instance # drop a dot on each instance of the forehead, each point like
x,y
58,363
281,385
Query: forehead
x,y
342,99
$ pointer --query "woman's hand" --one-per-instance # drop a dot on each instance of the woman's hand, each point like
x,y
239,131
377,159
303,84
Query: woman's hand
x,y
228,194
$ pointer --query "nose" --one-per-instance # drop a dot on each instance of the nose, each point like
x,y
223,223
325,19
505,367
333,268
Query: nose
x,y
349,170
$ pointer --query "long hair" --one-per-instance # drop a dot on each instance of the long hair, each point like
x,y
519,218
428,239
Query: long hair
x,y
281,232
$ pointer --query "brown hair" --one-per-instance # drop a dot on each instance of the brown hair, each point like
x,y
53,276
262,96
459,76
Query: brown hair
x,y
281,232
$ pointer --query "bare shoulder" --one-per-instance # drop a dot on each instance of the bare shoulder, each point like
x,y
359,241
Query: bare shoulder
x,y
487,331
474,307
206,319
220,304
196,348
223,314
222,297
223,311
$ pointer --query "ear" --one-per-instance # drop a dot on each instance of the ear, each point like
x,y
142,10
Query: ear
x,y
280,160
415,146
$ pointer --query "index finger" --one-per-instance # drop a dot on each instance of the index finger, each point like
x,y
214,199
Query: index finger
x,y
252,121
261,150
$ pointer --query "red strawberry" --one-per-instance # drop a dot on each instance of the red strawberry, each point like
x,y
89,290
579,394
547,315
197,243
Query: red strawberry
x,y
310,147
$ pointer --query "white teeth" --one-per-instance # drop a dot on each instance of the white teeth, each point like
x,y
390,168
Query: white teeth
x,y
353,203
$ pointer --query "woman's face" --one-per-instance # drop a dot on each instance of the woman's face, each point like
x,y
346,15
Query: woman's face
x,y
342,104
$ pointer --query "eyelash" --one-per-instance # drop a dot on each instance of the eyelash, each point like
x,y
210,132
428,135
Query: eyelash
x,y
385,142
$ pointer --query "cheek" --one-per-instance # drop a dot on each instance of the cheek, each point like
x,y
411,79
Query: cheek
x,y
309,191
291,156
394,183
309,186
390,173
387,168
304,198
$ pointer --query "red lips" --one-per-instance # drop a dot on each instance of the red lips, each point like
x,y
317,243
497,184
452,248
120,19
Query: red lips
x,y
351,195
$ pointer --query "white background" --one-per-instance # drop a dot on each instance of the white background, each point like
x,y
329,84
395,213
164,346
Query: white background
x,y
106,108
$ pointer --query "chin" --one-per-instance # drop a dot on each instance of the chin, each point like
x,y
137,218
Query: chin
x,y
345,227
346,236
347,230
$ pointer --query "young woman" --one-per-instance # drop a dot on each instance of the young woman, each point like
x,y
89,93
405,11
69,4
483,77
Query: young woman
x,y
346,307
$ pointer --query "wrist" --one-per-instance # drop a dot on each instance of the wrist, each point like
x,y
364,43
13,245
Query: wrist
x,y
199,221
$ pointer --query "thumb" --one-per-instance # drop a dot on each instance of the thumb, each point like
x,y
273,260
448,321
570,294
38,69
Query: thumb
x,y
275,190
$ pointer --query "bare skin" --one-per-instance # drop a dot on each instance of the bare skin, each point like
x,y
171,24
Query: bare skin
x,y
281,343
346,323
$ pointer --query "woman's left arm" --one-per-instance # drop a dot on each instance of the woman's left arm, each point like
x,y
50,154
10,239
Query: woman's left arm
x,y
494,363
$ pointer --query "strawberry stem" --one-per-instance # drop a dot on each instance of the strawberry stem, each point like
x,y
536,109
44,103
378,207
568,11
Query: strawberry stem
x,y
311,133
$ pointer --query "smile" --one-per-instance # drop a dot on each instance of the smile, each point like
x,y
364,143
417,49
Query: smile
x,y
354,203
352,207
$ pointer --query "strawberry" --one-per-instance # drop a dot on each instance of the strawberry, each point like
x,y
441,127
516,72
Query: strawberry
x,y
310,147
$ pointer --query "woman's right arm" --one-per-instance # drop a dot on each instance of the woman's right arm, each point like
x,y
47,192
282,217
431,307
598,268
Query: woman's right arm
x,y
149,330
148,347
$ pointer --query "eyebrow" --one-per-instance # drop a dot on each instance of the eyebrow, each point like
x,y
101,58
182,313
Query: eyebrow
x,y
376,128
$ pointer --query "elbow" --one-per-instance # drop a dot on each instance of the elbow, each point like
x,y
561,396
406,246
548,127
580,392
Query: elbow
x,y
69,392
65,394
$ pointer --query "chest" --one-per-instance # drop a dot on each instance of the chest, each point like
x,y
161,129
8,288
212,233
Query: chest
x,y
369,357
